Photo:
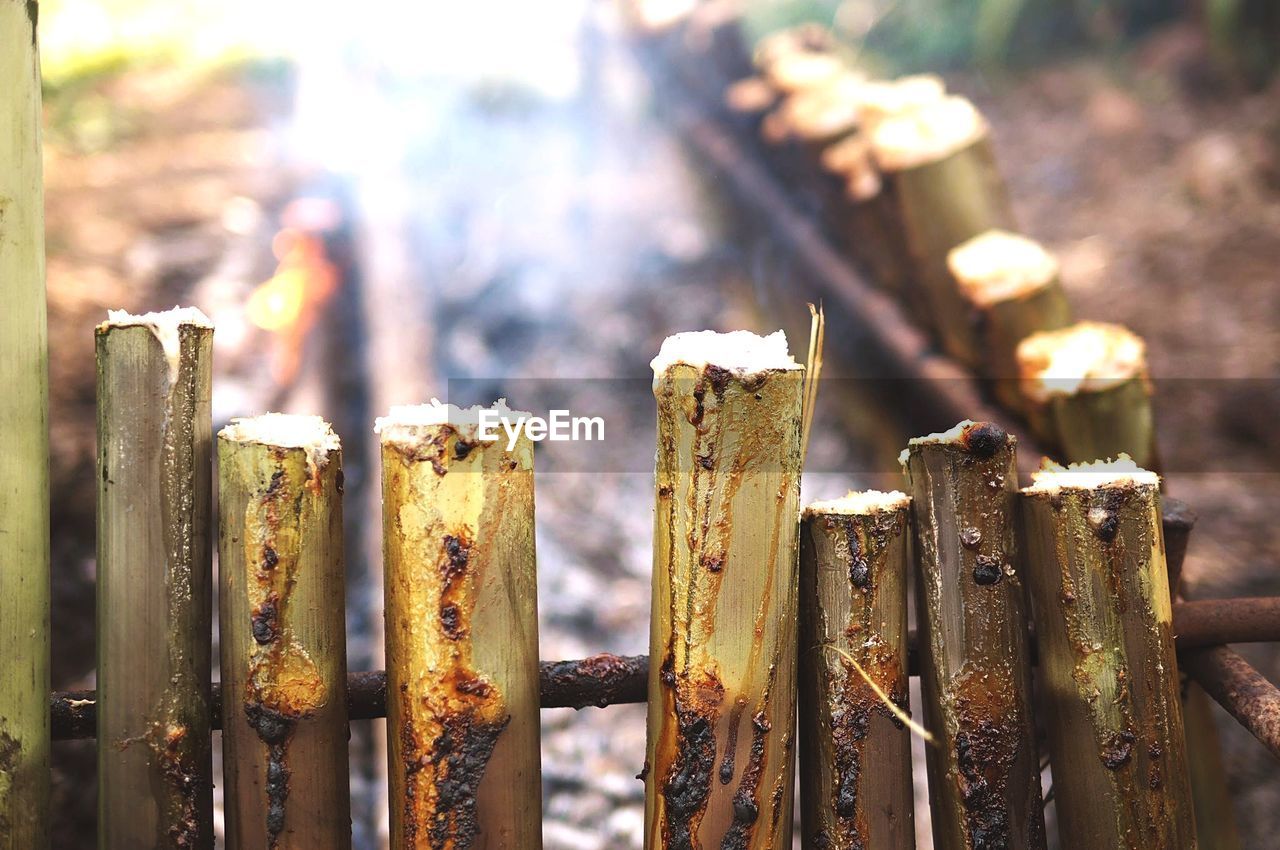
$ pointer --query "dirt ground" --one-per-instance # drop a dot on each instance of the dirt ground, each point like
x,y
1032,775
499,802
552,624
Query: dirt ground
x,y
1157,189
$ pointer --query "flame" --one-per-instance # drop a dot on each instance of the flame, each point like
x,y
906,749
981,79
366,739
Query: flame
x,y
291,302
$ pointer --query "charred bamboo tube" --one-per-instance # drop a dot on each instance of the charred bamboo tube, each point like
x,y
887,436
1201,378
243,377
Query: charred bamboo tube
x,y
1010,286
24,444
939,161
723,640
1087,392
1104,626
855,752
155,580
984,775
283,640
462,630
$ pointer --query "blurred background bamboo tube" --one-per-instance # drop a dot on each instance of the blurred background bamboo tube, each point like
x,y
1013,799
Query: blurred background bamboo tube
x,y
1103,623
939,162
1011,289
155,580
855,752
723,621
462,631
24,444
1086,392
283,640
975,672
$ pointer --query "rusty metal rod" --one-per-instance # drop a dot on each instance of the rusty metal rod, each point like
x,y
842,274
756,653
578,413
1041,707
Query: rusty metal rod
x,y
1213,622
1241,690
603,680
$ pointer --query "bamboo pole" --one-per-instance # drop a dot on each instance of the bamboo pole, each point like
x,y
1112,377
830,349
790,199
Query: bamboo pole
x,y
939,162
24,444
283,638
855,752
984,775
1010,286
462,630
722,671
155,577
1104,626
1087,393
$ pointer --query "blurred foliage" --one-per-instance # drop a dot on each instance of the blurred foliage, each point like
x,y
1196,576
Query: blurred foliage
x,y
908,35
84,39
1245,36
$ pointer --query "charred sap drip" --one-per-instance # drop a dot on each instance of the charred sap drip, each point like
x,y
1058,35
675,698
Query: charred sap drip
x,y
746,800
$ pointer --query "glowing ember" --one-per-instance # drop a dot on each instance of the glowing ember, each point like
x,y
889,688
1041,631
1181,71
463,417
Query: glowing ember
x,y
291,302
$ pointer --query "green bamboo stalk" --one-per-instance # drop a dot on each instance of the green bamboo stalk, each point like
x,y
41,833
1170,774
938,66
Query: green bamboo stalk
x,y
1010,286
283,634
461,630
939,162
984,775
1103,622
155,577
722,675
1086,392
24,444
855,753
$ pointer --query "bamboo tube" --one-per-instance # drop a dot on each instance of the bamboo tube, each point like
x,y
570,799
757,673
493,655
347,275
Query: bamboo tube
x,y
1086,392
462,630
283,638
155,580
1103,622
984,775
855,753
943,177
1010,286
747,102
24,444
882,99
722,670
800,70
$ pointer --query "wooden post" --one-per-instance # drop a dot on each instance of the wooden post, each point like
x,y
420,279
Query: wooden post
x,y
939,162
283,634
1087,393
1010,287
984,773
155,577
723,639
24,443
1104,626
462,630
855,752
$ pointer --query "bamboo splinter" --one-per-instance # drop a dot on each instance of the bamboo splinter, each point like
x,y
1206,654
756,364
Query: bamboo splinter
x,y
723,639
855,780
283,638
24,444
1104,625
155,580
975,672
462,630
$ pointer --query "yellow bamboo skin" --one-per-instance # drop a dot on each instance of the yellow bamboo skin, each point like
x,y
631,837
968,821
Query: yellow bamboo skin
x,y
283,647
1107,660
24,444
941,204
720,765
462,643
984,775
155,588
855,757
